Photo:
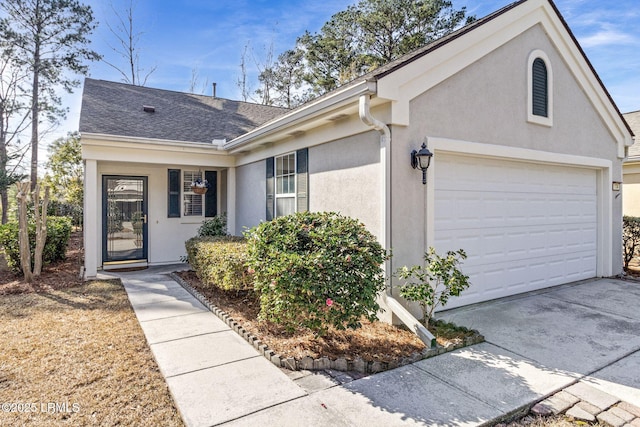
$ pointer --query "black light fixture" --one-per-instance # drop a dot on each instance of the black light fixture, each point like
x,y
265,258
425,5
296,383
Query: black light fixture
x,y
421,159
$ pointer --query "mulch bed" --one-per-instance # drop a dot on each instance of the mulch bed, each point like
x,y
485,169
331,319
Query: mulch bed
x,y
374,341
60,275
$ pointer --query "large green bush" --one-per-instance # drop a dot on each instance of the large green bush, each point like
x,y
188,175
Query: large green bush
x,y
220,261
55,248
316,270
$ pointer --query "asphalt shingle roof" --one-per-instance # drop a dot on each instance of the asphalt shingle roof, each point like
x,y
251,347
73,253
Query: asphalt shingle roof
x,y
117,109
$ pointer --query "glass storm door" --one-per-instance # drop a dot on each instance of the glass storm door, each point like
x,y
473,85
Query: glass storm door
x,y
124,219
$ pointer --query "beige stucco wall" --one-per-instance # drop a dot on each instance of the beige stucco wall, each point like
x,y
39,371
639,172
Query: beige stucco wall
x,y
344,176
408,201
487,103
251,194
166,235
631,197
631,190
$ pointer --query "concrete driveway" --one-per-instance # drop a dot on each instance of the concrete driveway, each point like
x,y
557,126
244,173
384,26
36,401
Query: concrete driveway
x,y
537,344
588,329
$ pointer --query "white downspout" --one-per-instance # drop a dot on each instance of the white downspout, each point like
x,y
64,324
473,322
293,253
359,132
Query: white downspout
x,y
385,219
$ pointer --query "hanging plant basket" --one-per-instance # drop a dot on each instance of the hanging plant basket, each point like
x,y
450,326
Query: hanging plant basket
x,y
199,190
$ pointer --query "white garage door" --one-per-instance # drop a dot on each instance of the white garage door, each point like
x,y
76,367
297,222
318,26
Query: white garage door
x,y
524,226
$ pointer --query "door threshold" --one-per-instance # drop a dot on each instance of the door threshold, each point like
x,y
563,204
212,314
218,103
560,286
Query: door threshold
x,y
124,265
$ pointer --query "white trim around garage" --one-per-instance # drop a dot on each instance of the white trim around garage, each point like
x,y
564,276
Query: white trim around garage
x,y
603,169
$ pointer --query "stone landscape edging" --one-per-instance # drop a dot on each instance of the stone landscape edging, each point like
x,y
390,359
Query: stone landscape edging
x,y
308,363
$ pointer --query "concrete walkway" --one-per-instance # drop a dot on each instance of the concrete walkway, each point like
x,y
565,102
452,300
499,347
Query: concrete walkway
x,y
218,378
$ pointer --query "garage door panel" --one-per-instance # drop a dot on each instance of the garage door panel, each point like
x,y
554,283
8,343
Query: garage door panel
x,y
461,173
471,210
491,281
524,226
513,243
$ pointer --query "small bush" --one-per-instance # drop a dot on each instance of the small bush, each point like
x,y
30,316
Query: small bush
x,y
434,283
55,248
216,226
61,208
630,238
316,270
220,261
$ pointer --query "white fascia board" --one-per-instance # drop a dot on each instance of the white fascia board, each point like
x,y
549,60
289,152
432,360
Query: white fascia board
x,y
352,125
415,78
87,138
632,166
479,149
589,82
109,148
303,114
631,160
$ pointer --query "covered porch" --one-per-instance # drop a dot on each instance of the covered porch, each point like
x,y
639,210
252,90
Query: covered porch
x,y
139,203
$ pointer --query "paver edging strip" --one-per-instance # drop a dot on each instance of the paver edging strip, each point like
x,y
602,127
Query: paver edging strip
x,y
308,363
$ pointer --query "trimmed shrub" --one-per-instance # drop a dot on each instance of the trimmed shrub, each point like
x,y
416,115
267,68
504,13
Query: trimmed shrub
x,y
216,226
61,208
55,248
316,270
220,261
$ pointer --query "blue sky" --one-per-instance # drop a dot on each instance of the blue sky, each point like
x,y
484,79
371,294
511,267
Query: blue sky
x,y
210,35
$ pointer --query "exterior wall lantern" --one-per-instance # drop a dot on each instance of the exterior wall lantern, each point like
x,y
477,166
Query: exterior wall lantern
x,y
421,159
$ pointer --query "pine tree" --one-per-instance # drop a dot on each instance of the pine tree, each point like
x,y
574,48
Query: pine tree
x,y
50,39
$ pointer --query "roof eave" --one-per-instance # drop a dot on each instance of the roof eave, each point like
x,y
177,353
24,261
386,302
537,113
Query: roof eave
x,y
84,136
306,112
593,70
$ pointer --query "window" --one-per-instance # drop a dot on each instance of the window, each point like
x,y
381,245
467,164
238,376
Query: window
x,y
287,182
539,101
540,93
179,189
193,203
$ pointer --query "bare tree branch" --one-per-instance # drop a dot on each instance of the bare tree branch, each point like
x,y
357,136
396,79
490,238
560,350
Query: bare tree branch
x,y
194,83
128,41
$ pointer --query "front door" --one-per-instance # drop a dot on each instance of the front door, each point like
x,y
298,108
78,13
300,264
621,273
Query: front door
x,y
124,219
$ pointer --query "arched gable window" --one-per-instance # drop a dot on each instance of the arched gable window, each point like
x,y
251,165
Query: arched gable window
x,y
540,93
539,99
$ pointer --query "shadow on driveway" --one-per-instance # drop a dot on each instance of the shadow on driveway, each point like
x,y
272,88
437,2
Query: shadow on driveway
x,y
589,328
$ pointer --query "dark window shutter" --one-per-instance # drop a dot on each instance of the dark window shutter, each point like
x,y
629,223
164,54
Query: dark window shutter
x,y
211,196
270,188
302,180
539,88
173,201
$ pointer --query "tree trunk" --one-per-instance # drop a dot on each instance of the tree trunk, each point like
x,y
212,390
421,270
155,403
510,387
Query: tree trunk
x,y
4,204
23,233
4,159
35,112
41,227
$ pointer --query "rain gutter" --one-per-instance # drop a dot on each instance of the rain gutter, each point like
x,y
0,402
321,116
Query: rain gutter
x,y
385,183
